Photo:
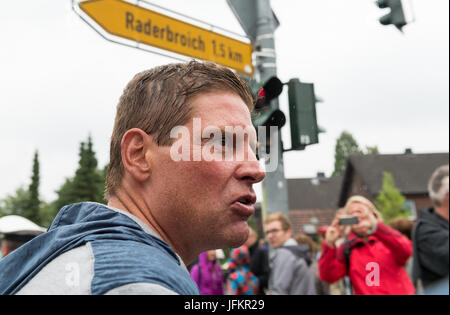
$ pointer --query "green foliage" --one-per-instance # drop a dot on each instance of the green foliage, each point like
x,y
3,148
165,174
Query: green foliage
x,y
47,213
32,211
25,202
86,185
88,182
390,202
16,204
346,145
372,150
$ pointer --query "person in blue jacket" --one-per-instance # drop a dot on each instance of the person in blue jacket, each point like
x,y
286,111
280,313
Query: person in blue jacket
x,y
170,193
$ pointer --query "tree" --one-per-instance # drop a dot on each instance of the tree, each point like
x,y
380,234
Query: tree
x,y
372,150
88,182
34,204
25,203
390,201
66,195
16,204
346,145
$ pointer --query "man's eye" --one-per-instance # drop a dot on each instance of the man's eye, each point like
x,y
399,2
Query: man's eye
x,y
227,141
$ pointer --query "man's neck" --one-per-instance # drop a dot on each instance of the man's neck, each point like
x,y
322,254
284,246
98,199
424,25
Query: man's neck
x,y
442,211
125,201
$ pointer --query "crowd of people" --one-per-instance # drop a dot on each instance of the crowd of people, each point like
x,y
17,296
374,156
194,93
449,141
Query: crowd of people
x,y
163,212
364,258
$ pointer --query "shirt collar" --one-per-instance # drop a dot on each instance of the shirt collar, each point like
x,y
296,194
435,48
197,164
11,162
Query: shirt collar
x,y
147,230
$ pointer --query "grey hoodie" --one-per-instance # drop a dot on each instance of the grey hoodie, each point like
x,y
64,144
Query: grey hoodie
x,y
289,271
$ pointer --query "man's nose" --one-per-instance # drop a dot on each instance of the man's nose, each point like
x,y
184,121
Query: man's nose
x,y
250,171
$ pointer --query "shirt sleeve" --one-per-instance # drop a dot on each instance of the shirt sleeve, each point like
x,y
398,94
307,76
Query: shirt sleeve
x,y
433,248
141,289
281,274
330,268
400,245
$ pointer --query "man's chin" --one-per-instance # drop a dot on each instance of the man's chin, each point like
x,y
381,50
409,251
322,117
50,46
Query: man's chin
x,y
236,236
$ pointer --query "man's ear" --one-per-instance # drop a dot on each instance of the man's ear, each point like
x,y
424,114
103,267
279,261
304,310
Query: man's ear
x,y
289,232
136,154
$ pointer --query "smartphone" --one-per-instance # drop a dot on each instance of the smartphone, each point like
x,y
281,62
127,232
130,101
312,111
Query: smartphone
x,y
348,221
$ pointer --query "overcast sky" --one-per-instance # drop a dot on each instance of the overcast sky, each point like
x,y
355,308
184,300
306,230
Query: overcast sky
x,y
60,81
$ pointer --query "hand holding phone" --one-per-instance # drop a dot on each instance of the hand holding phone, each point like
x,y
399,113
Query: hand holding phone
x,y
350,220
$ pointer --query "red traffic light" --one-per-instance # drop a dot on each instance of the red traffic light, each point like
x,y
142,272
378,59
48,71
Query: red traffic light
x,y
271,90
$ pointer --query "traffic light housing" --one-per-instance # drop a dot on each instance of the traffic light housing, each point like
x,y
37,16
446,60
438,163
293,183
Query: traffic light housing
x,y
303,117
397,15
269,91
302,108
269,117
265,115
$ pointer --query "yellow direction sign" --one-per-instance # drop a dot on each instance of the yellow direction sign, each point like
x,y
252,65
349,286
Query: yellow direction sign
x,y
123,19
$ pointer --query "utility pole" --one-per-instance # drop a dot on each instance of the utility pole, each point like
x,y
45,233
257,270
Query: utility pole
x,y
275,185
259,22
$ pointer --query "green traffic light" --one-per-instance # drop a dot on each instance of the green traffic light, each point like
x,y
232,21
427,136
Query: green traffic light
x,y
303,118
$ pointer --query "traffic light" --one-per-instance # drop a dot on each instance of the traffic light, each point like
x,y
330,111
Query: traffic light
x,y
396,16
303,118
269,91
264,115
267,118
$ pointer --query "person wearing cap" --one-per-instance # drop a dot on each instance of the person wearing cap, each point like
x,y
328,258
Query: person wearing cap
x,y
17,231
373,255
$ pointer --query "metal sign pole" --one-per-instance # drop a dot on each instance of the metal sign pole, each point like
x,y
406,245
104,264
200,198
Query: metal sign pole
x,y
275,185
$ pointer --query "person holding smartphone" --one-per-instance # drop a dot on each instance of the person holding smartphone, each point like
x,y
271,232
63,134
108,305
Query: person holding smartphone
x,y
373,254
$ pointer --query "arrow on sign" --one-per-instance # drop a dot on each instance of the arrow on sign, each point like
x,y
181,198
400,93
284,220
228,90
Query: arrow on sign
x,y
126,20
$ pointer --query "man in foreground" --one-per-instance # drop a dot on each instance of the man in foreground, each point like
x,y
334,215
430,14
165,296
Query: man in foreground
x,y
171,193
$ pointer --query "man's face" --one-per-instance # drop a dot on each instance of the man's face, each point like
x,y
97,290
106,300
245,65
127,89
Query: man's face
x,y
276,235
446,201
200,204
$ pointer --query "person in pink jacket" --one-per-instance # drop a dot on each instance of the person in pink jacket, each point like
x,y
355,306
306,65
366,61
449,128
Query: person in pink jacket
x,y
208,274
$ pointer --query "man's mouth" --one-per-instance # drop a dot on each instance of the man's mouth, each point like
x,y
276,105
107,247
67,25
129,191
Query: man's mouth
x,y
244,205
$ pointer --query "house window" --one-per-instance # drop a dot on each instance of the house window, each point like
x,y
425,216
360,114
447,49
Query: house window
x,y
411,206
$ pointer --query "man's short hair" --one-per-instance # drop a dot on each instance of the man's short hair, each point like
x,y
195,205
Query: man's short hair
x,y
438,185
158,100
279,216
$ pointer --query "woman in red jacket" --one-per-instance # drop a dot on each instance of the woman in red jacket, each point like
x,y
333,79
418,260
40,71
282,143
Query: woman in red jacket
x,y
373,256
